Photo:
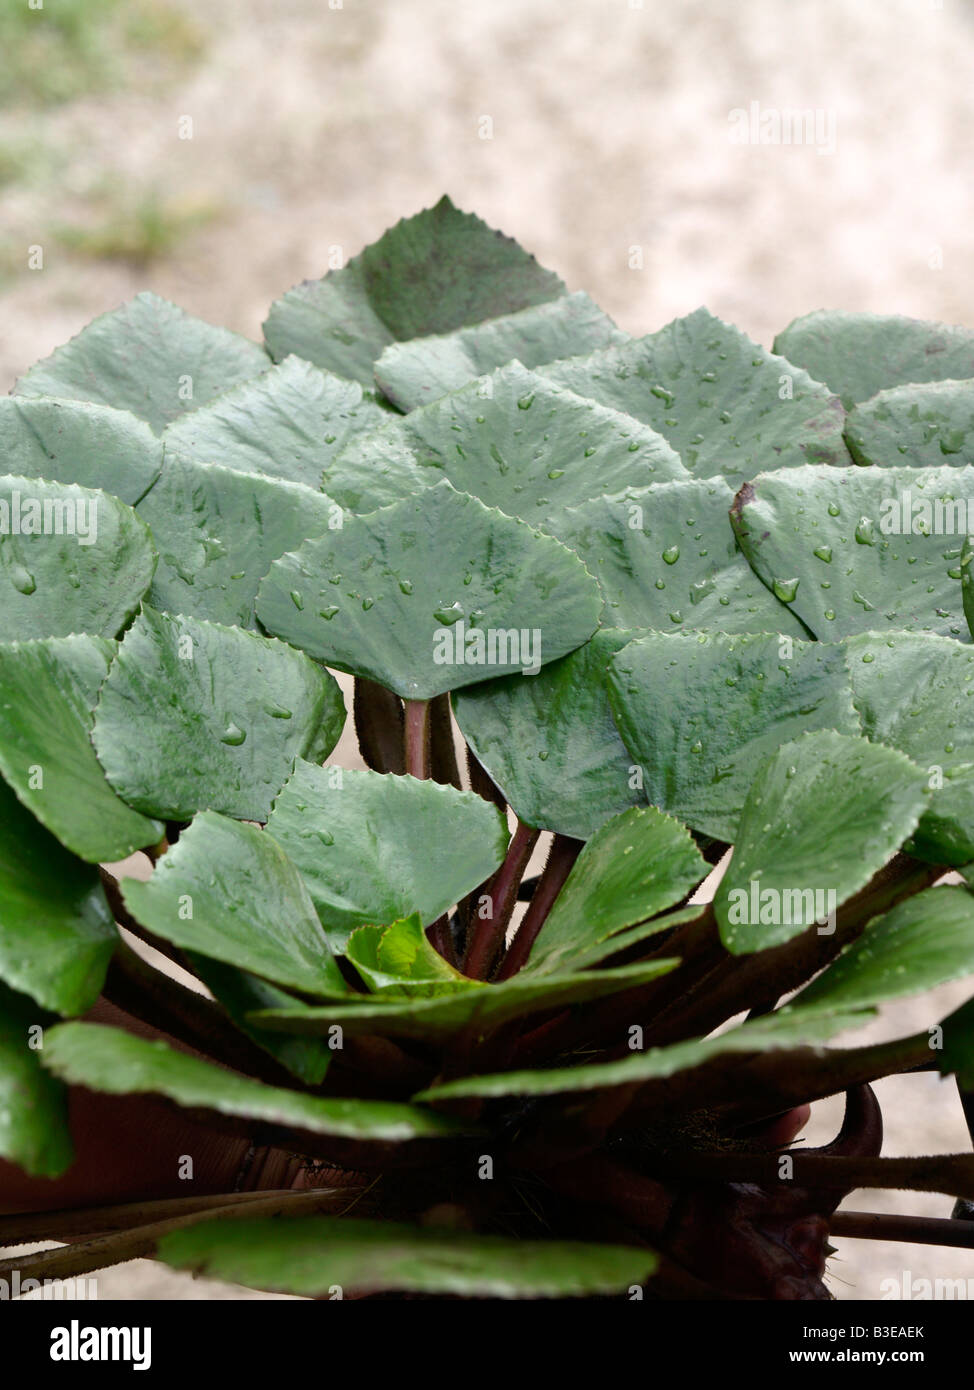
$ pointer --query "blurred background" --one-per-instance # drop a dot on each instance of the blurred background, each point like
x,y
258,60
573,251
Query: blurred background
x,y
219,151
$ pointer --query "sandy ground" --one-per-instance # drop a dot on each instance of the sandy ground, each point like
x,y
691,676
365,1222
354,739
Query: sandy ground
x,y
317,127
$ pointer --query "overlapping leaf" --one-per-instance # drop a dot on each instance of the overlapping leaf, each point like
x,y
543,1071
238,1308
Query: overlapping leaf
x,y
399,961
414,373
860,549
431,594
924,426
823,815
287,423
374,847
48,691
916,692
549,741
78,442
56,930
196,715
438,271
118,1063
514,440
314,1256
33,1105
229,891
666,557
72,559
729,407
701,714
218,532
860,354
149,357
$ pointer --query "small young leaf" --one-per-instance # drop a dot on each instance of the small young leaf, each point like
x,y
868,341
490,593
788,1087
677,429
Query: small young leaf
x,y
440,270
398,960
287,423
118,1063
728,406
823,815
431,594
860,549
71,560
149,357
48,691
701,714
197,715
229,891
79,442
374,848
56,930
414,373
860,354
218,532
635,866
315,1255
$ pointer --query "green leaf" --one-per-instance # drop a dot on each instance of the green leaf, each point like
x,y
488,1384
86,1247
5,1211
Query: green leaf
x,y
399,595
48,691
549,741
56,930
78,442
957,1052
414,373
287,423
835,544
118,1063
635,866
784,1030
922,426
240,992
399,961
701,714
860,354
478,1011
823,815
926,941
440,270
716,396
219,531
71,560
229,891
314,1255
373,847
967,580
514,440
665,557
33,1106
914,693
149,357
197,715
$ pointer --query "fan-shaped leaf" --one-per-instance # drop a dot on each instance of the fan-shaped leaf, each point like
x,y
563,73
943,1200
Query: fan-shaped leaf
x,y
79,442
921,426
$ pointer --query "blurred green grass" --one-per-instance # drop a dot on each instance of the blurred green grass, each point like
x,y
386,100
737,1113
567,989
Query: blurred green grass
x,y
70,48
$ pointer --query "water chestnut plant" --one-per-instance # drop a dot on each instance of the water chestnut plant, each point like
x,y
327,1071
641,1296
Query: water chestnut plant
x,y
475,1016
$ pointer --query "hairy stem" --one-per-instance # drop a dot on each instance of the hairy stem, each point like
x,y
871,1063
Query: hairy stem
x,y
125,919
418,738
917,1230
487,934
564,851
378,719
443,753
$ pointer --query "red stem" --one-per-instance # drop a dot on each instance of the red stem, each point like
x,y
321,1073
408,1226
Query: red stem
x,y
488,933
417,738
564,852
919,1230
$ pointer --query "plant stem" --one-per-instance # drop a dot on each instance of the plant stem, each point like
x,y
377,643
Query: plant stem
x,y
481,783
27,1227
952,1174
564,852
125,919
418,738
918,1230
443,753
379,726
488,933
